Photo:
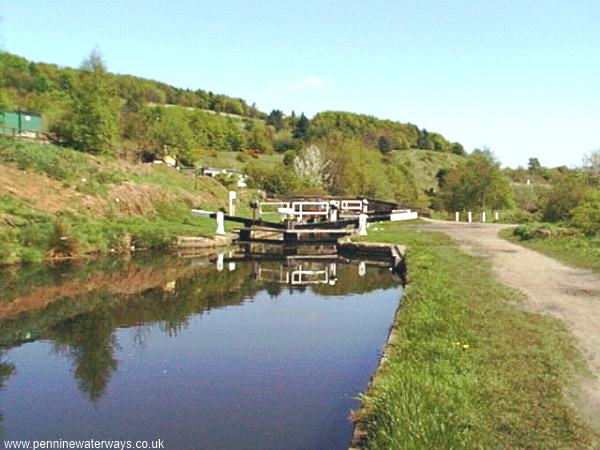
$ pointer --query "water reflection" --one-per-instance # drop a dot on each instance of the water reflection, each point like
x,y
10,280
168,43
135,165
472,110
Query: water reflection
x,y
80,312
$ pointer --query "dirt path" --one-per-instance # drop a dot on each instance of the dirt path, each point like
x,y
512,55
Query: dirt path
x,y
572,295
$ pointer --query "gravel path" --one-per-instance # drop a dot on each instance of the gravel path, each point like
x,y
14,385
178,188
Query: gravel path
x,y
572,295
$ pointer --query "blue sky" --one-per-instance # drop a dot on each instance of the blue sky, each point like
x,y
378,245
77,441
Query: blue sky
x,y
522,77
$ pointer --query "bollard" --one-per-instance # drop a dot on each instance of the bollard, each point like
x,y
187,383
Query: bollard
x,y
470,217
457,216
220,262
483,217
496,216
232,197
220,223
362,224
333,215
231,266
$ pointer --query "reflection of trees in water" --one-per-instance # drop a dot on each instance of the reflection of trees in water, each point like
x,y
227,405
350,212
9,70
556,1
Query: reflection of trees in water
x,y
82,327
89,340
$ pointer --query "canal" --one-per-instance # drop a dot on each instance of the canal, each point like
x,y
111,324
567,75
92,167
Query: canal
x,y
234,355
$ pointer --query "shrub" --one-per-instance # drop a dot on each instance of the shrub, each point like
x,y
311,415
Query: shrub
x,y
147,237
586,216
568,193
242,157
62,242
546,230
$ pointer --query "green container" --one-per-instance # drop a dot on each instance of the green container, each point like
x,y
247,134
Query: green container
x,y
20,122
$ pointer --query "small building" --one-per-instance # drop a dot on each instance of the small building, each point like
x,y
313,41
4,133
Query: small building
x,y
21,123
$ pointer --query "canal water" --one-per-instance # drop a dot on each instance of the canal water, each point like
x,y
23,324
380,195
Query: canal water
x,y
232,355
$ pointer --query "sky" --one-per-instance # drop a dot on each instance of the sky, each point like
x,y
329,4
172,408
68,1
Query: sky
x,y
520,77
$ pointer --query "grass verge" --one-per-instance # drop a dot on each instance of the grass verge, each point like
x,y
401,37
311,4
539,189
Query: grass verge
x,y
467,369
575,251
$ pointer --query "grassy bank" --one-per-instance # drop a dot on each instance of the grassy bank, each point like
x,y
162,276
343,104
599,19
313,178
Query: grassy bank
x,y
100,204
575,251
468,369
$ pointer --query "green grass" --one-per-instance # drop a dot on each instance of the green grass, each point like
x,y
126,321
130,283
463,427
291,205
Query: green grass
x,y
228,160
576,251
509,389
25,231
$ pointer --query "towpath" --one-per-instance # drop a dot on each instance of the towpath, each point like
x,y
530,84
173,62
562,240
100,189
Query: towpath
x,y
550,287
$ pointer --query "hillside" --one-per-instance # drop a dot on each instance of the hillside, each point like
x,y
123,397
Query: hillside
x,y
103,204
425,165
90,187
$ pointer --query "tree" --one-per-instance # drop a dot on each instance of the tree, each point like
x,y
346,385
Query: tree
x,y
171,135
591,166
476,183
533,165
288,157
312,167
91,124
276,119
568,193
384,144
259,137
457,149
301,131
586,216
424,141
6,103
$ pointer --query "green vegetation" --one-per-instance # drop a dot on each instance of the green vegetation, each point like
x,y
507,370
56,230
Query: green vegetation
x,y
570,209
152,208
91,110
468,369
559,243
476,184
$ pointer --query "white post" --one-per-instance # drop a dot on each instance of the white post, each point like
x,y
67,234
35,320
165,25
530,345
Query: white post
x,y
220,223
220,262
496,216
365,208
333,215
231,266
456,216
362,224
470,217
483,217
232,197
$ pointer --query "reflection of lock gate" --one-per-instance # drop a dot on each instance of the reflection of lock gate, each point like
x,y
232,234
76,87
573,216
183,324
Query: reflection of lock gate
x,y
299,276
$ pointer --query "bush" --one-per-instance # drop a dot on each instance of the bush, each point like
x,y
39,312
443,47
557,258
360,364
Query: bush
x,y
568,193
546,230
586,216
62,242
147,237
242,157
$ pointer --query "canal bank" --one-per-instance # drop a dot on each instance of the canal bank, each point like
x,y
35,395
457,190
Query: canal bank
x,y
465,366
